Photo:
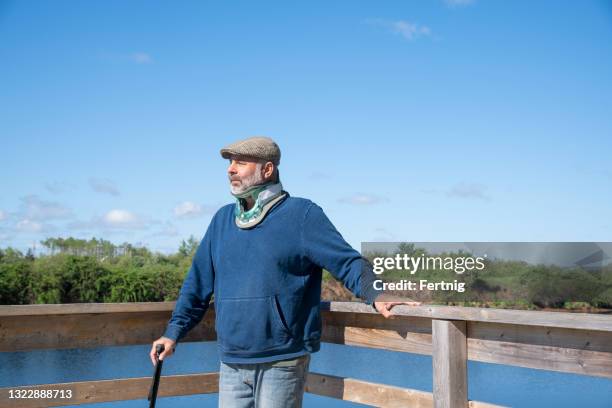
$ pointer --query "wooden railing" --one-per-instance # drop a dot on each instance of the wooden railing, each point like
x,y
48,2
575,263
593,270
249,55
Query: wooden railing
x,y
568,342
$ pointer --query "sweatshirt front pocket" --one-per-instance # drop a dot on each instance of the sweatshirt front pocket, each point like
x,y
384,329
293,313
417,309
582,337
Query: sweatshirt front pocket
x,y
251,325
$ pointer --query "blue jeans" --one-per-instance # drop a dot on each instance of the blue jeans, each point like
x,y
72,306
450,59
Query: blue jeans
x,y
262,385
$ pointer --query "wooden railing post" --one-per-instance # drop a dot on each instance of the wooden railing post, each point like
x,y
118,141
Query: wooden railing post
x,y
449,363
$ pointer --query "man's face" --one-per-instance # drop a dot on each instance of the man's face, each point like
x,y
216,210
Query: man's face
x,y
244,173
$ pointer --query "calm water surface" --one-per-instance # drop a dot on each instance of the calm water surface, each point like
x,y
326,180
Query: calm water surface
x,y
504,385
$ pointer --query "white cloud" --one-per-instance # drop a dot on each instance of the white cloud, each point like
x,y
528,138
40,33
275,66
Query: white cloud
x,y
188,209
33,208
410,31
105,186
141,58
362,199
116,219
31,226
469,191
2,215
122,219
119,217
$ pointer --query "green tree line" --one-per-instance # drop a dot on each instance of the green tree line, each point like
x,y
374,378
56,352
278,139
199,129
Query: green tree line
x,y
77,271
84,271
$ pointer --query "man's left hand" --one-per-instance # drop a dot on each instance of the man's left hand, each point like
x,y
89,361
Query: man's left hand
x,y
384,308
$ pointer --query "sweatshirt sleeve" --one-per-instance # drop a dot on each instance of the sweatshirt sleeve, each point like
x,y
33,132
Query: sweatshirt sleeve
x,y
324,246
195,294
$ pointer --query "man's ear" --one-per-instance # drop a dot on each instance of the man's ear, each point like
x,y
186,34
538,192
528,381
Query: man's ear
x,y
268,169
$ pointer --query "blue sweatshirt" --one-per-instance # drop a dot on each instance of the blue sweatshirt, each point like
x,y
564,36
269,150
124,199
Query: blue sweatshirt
x,y
267,282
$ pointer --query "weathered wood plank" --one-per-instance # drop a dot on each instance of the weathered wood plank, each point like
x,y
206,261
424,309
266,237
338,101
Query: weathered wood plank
x,y
377,321
567,360
22,333
555,349
404,341
368,393
87,392
407,334
588,340
449,364
85,308
374,394
585,321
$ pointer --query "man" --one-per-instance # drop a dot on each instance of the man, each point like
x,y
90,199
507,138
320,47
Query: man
x,y
262,257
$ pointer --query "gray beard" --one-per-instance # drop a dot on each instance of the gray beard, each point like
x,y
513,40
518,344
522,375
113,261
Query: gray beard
x,y
248,182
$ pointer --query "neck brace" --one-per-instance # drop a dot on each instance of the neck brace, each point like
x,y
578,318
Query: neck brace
x,y
266,196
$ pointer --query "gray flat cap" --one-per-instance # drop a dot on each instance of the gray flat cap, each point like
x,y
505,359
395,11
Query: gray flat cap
x,y
259,147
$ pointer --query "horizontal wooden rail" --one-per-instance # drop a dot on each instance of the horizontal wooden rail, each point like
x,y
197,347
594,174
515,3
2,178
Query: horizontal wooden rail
x,y
85,392
348,389
585,321
85,308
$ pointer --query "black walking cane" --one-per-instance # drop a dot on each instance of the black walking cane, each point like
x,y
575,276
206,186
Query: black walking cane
x,y
155,385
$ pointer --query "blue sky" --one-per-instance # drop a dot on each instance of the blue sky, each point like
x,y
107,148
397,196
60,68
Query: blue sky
x,y
405,120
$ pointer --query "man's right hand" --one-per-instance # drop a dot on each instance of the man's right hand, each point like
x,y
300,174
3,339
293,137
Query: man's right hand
x,y
169,346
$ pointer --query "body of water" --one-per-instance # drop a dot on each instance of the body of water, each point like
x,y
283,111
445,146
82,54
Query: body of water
x,y
493,383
